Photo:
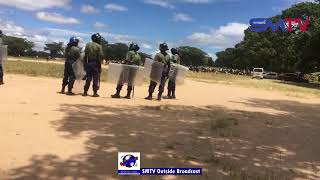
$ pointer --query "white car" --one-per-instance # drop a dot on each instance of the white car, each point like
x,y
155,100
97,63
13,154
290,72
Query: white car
x,y
258,73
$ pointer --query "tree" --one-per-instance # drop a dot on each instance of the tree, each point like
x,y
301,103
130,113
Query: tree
x,y
210,61
37,53
17,46
116,52
56,49
280,52
191,56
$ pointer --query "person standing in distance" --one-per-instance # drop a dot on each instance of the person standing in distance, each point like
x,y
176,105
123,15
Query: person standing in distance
x,y
72,54
164,58
1,68
172,84
92,64
132,58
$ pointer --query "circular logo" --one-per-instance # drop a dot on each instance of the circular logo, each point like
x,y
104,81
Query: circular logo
x,y
129,161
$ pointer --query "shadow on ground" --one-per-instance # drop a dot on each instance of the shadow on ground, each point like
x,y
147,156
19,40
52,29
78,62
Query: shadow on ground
x,y
228,144
313,85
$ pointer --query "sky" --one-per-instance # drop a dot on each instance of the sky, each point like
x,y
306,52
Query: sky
x,y
211,25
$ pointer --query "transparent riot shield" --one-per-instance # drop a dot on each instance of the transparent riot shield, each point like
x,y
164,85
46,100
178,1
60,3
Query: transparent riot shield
x,y
178,73
78,69
125,74
78,86
153,70
80,74
3,53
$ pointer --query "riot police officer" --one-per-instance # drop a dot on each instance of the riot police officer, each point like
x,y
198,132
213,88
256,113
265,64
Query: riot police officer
x,y
172,85
1,68
164,58
92,63
132,58
72,53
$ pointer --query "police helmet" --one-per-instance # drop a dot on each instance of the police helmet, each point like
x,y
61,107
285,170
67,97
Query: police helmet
x,y
96,38
174,51
74,41
134,47
163,47
131,46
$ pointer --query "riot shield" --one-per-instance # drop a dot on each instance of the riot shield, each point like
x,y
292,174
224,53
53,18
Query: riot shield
x,y
153,70
178,73
3,53
125,74
78,86
78,69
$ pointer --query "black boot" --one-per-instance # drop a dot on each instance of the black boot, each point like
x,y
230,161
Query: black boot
x,y
70,93
169,95
117,95
63,90
95,94
173,95
85,94
1,81
159,97
128,96
149,97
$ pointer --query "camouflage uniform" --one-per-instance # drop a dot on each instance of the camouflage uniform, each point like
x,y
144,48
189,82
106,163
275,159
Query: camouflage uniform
x,y
172,85
92,64
1,68
132,58
72,54
165,59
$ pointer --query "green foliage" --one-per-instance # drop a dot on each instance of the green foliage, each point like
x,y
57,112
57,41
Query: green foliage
x,y
116,52
191,56
56,49
33,53
17,46
279,52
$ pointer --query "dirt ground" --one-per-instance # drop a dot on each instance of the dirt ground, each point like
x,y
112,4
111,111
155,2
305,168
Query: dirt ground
x,y
231,132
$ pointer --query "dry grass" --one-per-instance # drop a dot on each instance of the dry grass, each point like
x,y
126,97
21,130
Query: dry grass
x,y
31,68
299,90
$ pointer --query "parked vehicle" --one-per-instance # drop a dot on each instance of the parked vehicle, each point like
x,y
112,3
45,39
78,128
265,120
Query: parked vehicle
x,y
257,73
294,77
270,75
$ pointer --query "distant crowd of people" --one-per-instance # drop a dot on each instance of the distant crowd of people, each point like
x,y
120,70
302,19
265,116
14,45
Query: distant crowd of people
x,y
220,70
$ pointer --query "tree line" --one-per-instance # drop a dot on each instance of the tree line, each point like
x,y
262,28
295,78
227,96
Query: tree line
x,y
190,56
279,51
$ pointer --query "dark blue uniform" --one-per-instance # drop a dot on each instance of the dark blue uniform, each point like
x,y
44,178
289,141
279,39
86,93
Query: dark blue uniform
x,y
165,59
92,64
72,54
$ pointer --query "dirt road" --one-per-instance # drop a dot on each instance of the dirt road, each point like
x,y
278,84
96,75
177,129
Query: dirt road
x,y
231,132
